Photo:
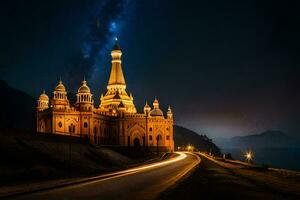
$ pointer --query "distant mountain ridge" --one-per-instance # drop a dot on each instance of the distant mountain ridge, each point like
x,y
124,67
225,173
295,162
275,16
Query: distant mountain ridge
x,y
266,139
184,137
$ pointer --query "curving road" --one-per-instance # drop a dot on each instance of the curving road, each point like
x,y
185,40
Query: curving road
x,y
144,182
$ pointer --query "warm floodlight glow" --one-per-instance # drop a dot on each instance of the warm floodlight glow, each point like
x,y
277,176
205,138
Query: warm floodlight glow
x,y
189,147
249,156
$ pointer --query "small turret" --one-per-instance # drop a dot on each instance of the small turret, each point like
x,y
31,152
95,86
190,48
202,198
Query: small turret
x,y
170,113
60,100
84,97
43,102
147,109
155,103
60,91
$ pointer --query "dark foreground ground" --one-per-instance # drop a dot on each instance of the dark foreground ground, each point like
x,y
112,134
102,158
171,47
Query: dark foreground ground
x,y
31,157
144,183
223,180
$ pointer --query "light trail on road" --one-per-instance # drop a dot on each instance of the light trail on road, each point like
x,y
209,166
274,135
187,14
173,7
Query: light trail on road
x,y
133,170
158,164
143,182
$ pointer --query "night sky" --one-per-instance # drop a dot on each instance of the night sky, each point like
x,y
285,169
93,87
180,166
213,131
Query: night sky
x,y
226,67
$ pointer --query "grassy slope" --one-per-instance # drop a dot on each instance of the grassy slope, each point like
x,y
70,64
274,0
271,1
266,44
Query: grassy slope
x,y
213,181
26,158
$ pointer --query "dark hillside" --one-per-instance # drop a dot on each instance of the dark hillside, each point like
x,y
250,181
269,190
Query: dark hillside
x,y
18,109
184,136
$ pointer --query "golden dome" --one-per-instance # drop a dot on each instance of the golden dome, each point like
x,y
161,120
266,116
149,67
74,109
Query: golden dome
x,y
156,112
84,88
60,87
44,96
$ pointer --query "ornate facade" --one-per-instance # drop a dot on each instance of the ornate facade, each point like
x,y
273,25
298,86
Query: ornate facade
x,y
114,122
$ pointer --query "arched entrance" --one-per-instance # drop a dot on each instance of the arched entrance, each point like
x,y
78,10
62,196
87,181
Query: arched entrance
x,y
158,140
136,142
136,136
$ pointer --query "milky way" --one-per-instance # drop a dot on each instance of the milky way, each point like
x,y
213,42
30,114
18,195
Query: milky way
x,y
104,25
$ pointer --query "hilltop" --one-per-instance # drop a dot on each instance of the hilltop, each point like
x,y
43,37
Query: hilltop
x,y
184,136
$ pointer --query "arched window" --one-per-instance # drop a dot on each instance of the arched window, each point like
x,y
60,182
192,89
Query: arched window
x,y
72,128
85,124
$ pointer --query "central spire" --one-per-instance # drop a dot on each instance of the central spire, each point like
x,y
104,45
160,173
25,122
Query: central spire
x,y
116,97
116,78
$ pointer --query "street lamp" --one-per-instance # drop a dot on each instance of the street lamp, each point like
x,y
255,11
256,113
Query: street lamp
x,y
249,156
189,147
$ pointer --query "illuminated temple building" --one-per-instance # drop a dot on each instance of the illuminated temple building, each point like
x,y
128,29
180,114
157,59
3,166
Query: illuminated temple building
x,y
114,122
